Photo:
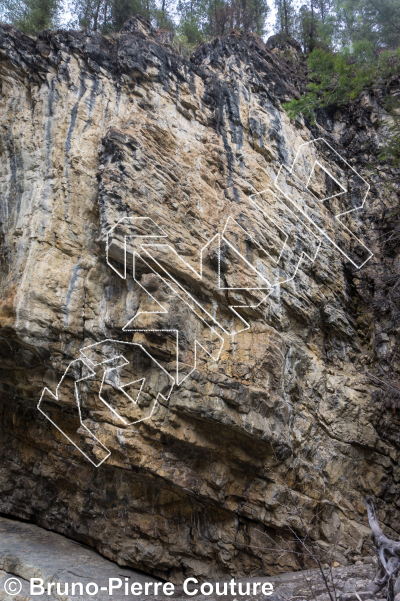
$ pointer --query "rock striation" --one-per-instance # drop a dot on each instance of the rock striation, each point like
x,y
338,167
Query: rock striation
x,y
27,551
118,154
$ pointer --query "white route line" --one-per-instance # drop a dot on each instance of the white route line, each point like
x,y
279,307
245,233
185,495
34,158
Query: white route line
x,y
331,176
179,290
321,231
300,259
83,352
55,396
163,235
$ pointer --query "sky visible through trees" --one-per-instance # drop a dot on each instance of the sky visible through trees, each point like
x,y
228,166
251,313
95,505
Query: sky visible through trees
x,y
324,24
352,46
66,17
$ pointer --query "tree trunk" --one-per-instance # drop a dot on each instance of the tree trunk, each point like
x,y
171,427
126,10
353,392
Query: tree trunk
x,y
96,16
389,555
105,15
286,17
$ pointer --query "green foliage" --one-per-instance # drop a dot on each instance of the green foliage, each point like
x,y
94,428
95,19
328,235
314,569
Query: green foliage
x,y
285,17
375,21
339,24
193,17
31,16
205,19
198,19
313,24
341,77
108,15
162,19
122,10
190,32
307,27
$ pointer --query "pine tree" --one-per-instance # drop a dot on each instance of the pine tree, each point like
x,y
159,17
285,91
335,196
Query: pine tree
x,y
307,27
31,16
109,15
202,19
375,21
193,19
285,17
122,10
253,15
315,25
162,15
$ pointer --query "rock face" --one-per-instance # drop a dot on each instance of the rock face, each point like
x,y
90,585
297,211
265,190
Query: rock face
x,y
27,551
142,197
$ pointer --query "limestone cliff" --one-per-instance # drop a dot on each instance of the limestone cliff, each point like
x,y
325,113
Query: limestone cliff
x,y
153,244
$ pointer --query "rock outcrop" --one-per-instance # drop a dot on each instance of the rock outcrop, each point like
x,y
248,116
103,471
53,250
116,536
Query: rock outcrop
x,y
27,551
119,148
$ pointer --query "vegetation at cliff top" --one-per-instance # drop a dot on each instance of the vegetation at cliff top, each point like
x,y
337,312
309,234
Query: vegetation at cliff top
x,y
352,46
192,20
30,16
360,55
361,27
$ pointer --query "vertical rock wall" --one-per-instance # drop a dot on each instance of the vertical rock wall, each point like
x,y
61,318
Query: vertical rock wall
x,y
96,132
